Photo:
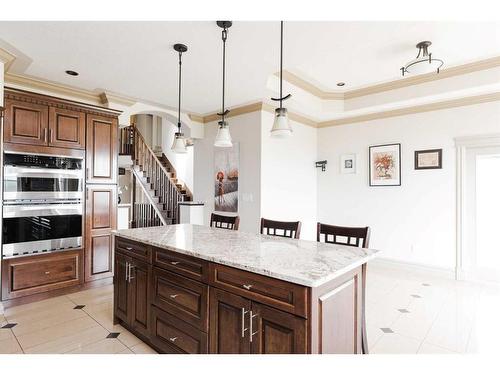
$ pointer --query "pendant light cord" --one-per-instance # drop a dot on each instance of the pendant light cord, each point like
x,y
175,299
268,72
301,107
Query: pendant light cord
x,y
224,38
179,109
281,68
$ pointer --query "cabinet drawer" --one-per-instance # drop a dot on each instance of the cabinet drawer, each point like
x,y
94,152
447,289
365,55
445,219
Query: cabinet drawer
x,y
172,335
134,249
283,295
182,264
185,298
41,273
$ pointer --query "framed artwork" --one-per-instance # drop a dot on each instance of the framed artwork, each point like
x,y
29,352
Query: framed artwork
x,y
385,165
429,159
226,173
348,163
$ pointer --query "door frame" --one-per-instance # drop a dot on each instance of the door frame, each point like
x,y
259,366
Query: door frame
x,y
463,145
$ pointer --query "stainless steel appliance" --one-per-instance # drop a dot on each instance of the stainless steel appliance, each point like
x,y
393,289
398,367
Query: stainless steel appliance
x,y
42,204
29,177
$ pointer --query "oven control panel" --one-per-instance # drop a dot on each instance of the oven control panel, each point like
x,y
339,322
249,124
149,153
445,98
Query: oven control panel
x,y
42,161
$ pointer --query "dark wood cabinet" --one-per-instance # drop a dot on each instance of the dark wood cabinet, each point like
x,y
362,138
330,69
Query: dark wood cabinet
x,y
229,331
101,206
66,128
26,122
102,149
132,293
41,273
276,332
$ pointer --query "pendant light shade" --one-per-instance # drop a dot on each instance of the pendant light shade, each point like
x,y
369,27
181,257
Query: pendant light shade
x,y
223,138
281,127
179,144
424,62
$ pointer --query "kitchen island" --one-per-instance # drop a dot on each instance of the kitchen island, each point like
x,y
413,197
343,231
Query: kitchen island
x,y
194,289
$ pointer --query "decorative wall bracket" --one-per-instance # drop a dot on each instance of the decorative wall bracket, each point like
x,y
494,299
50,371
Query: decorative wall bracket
x,y
321,164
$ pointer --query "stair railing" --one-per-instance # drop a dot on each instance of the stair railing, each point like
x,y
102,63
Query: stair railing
x,y
157,176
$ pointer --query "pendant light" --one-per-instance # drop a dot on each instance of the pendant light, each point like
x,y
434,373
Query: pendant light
x,y
281,127
424,62
179,145
223,138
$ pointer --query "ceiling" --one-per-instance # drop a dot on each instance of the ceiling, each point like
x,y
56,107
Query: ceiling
x,y
136,59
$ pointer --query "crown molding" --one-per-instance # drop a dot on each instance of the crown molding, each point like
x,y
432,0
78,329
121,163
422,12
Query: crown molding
x,y
110,98
7,58
235,111
445,104
391,85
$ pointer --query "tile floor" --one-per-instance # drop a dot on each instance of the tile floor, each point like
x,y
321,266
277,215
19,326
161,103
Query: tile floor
x,y
407,312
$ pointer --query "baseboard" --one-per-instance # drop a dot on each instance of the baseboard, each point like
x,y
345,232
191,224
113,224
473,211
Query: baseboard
x,y
442,272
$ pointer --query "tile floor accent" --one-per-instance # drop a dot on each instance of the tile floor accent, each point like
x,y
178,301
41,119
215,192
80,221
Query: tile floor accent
x,y
407,312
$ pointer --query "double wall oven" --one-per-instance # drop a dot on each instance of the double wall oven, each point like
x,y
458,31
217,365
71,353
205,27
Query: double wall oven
x,y
42,204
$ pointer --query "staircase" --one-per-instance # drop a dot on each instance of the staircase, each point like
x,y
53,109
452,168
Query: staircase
x,y
157,178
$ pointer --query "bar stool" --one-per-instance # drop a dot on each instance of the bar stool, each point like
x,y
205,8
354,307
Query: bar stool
x,y
224,222
290,229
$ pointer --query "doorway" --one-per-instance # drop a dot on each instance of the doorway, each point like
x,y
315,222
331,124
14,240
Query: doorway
x,y
480,212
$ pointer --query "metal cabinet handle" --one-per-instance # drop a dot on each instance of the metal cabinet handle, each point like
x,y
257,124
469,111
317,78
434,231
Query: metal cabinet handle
x,y
45,135
47,272
173,296
247,286
128,248
173,339
50,136
174,263
126,271
251,325
130,267
243,329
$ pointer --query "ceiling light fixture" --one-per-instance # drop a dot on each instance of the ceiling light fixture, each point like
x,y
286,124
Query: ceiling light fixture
x,y
223,138
71,73
424,62
179,145
281,127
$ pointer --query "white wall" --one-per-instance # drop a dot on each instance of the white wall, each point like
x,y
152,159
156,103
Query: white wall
x,y
288,176
415,222
183,163
244,129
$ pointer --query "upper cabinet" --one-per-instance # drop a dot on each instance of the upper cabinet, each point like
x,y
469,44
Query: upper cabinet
x,y
26,123
66,128
102,149
37,120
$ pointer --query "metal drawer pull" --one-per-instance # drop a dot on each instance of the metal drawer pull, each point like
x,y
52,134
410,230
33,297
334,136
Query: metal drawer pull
x,y
251,325
243,329
126,271
173,339
247,286
174,263
173,296
47,272
128,248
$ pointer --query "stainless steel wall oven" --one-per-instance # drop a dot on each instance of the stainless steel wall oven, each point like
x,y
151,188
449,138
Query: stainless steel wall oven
x,y
42,204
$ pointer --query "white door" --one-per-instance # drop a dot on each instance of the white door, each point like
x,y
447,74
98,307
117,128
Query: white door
x,y
481,258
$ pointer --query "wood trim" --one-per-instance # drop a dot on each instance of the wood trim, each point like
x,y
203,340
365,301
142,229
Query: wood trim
x,y
391,85
109,98
445,104
7,58
32,97
39,150
236,111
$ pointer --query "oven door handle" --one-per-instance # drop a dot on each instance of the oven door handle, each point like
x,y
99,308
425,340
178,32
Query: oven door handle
x,y
11,211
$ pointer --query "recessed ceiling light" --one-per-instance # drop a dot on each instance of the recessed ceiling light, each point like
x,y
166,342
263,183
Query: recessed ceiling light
x,y
341,84
71,73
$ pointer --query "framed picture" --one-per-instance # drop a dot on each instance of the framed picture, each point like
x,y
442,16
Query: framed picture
x,y
226,174
429,159
385,165
348,163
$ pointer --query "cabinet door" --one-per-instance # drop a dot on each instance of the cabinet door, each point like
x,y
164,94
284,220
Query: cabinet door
x,y
228,323
121,288
140,281
26,123
66,128
100,221
276,332
102,149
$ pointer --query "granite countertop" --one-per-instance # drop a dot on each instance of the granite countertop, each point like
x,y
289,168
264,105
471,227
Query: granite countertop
x,y
301,262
